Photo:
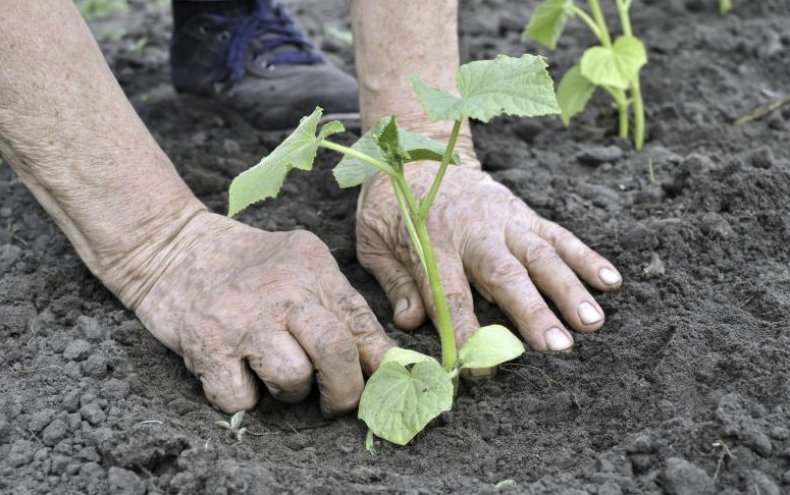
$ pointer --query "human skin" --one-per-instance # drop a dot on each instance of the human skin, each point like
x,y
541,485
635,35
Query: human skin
x,y
481,232
231,299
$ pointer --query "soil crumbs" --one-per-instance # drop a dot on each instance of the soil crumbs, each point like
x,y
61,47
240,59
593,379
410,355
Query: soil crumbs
x,y
686,390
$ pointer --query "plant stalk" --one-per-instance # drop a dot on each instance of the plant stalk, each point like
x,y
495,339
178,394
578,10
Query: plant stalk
x,y
601,22
383,167
425,204
589,21
636,93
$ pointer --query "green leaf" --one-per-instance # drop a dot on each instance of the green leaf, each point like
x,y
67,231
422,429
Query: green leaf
x,y
223,424
573,93
405,357
331,127
617,66
490,346
265,179
488,88
388,141
548,21
236,419
351,171
398,403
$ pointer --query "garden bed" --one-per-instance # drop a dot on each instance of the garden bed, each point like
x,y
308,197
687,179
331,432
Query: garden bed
x,y
687,385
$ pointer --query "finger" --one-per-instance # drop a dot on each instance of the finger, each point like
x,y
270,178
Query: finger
x,y
334,354
227,382
352,310
555,279
282,365
496,271
591,266
395,279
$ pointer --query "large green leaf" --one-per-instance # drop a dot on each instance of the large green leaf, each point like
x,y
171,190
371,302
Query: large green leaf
x,y
548,21
488,88
617,66
352,171
405,357
573,93
398,403
490,346
265,179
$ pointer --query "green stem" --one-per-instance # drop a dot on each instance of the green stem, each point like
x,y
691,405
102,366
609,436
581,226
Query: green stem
x,y
621,102
639,114
601,22
356,154
425,204
625,21
588,20
406,214
636,93
444,322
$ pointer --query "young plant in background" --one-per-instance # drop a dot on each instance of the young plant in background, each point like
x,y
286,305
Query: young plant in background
x,y
410,389
724,6
613,66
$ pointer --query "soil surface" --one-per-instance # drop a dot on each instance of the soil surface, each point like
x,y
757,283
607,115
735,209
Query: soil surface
x,y
686,390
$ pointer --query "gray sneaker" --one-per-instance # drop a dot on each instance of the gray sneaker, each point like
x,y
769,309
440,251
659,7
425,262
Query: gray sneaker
x,y
260,65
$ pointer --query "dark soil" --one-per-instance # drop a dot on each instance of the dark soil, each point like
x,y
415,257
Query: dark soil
x,y
686,389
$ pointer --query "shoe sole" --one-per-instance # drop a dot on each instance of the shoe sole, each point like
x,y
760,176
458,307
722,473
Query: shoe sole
x,y
164,95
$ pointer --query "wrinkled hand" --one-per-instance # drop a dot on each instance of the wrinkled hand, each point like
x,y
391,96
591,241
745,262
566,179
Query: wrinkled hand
x,y
234,300
485,235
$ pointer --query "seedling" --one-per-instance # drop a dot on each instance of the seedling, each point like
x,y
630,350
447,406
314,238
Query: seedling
x,y
234,425
613,66
725,6
410,389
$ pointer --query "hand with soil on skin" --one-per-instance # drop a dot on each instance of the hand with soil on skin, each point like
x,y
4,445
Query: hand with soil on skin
x,y
485,235
234,296
222,294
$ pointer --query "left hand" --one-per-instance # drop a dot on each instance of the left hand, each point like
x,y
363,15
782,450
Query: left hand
x,y
483,234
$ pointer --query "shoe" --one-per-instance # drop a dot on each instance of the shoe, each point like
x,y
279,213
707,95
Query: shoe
x,y
260,65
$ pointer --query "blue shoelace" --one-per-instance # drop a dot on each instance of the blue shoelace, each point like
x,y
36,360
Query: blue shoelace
x,y
265,29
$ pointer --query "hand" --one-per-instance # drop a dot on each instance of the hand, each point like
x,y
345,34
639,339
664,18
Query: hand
x,y
485,235
234,300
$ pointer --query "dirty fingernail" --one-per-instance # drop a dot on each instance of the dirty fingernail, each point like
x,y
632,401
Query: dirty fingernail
x,y
556,340
588,314
476,373
609,276
401,306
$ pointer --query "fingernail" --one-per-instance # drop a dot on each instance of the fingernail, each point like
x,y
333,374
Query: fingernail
x,y
609,276
556,340
474,373
401,306
588,314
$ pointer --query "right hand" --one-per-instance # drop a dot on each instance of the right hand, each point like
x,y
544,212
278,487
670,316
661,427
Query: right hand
x,y
234,300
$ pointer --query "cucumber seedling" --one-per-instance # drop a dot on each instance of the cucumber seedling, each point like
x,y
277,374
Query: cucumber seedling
x,y
724,6
612,65
409,389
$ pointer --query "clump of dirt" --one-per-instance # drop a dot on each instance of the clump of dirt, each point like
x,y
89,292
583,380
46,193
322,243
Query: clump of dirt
x,y
685,390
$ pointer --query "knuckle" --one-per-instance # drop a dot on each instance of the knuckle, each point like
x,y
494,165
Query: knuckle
x,y
504,273
540,252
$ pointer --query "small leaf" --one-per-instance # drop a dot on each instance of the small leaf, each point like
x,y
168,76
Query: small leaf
x,y
548,21
573,93
265,179
331,127
388,141
490,346
236,419
404,356
488,88
398,403
223,424
351,171
617,66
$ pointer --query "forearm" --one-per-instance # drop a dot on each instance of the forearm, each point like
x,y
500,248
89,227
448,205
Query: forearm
x,y
68,131
395,40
